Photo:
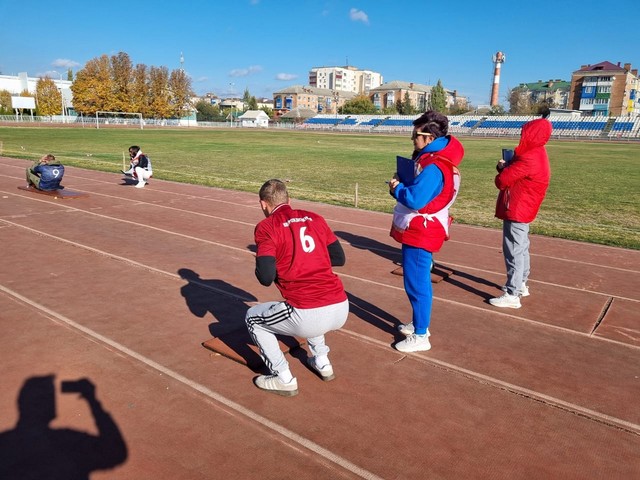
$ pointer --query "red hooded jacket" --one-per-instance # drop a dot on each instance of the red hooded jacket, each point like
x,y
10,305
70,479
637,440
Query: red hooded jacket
x,y
523,182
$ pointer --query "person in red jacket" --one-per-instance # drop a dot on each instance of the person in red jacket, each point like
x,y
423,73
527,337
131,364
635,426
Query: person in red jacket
x,y
421,218
523,183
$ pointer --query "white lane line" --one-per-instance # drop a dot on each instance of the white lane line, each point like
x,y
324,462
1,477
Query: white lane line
x,y
292,436
189,212
368,227
474,375
344,275
131,222
484,379
499,313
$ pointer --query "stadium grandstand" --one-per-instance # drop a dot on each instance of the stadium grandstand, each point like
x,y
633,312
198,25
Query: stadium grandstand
x,y
484,126
622,128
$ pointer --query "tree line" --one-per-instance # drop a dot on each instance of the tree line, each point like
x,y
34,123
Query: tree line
x,y
114,84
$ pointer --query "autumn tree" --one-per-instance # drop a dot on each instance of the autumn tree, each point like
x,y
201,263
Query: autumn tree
x,y
519,101
49,97
113,84
5,102
496,110
181,93
121,83
93,86
140,97
458,107
160,105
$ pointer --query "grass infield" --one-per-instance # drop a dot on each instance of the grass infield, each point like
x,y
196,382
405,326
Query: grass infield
x,y
594,194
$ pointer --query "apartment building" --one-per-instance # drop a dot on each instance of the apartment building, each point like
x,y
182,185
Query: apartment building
x,y
344,79
553,92
390,93
605,89
321,100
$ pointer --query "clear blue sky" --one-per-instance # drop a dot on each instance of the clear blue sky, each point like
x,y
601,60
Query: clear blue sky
x,y
266,45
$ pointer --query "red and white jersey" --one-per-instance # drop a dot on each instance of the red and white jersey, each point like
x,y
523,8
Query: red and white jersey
x,y
298,240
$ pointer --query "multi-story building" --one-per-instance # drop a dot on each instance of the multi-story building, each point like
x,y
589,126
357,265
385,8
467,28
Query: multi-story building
x,y
605,89
553,92
344,79
321,100
389,94
23,83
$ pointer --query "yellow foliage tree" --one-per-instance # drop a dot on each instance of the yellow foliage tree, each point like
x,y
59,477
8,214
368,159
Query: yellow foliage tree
x,y
49,97
113,84
181,93
159,94
140,90
93,86
122,79
5,102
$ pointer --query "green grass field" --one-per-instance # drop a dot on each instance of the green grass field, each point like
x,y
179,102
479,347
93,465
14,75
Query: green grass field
x,y
594,194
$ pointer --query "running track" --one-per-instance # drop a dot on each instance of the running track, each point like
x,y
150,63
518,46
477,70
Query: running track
x,y
123,286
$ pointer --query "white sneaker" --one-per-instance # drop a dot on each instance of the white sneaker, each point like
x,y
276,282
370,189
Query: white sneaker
x,y
506,301
325,373
140,184
273,384
414,343
407,329
524,290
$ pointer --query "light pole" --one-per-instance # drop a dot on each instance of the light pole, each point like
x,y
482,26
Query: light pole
x,y
63,105
231,91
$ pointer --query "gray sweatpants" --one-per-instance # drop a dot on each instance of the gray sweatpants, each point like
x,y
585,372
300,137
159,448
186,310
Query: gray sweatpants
x,y
266,320
515,247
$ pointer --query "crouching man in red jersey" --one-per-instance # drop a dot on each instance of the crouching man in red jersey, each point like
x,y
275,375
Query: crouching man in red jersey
x,y
296,249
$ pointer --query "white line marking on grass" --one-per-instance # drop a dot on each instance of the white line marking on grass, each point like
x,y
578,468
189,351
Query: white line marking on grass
x,y
292,436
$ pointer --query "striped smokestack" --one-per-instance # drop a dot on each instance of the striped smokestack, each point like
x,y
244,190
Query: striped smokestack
x,y
498,60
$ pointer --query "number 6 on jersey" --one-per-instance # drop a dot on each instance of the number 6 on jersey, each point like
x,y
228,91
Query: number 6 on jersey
x,y
308,245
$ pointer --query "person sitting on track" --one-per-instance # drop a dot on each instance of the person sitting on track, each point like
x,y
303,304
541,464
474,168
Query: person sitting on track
x,y
45,174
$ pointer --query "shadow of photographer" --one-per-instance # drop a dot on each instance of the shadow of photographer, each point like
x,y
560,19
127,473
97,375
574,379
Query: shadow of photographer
x,y
34,450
